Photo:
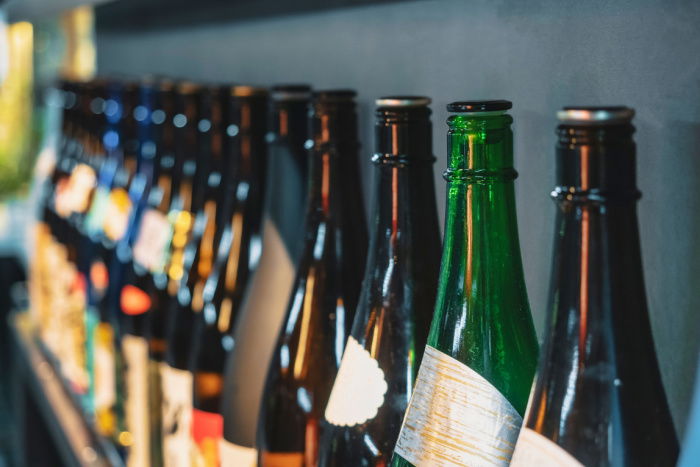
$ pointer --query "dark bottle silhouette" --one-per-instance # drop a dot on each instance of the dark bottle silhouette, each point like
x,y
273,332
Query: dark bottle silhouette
x,y
325,292
598,397
381,359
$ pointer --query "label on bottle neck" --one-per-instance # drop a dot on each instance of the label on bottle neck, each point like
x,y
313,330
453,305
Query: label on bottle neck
x,y
153,242
135,350
456,417
177,415
233,454
359,388
207,431
534,449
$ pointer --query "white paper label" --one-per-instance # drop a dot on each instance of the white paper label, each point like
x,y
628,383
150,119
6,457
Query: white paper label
x,y
135,351
359,388
153,241
177,415
105,370
232,455
456,418
533,449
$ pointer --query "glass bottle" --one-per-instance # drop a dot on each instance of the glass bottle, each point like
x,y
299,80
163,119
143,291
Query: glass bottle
x,y
477,369
389,332
598,398
325,291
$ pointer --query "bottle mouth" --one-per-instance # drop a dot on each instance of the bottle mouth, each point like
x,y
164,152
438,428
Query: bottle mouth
x,y
291,92
187,87
481,107
595,115
403,101
247,91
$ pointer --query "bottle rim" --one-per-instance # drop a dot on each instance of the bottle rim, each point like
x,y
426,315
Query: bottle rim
x,y
290,92
242,90
595,115
403,101
476,107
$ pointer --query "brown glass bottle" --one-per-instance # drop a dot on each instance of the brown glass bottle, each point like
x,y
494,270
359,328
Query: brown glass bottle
x,y
238,251
379,366
325,291
267,297
598,398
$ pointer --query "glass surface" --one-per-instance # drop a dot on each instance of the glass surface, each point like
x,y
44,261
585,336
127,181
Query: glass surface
x,y
482,316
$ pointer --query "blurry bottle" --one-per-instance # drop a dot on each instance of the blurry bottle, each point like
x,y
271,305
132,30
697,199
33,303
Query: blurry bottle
x,y
236,259
267,297
381,359
325,291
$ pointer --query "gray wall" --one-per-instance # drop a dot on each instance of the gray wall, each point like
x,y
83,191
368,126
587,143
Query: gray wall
x,y
542,54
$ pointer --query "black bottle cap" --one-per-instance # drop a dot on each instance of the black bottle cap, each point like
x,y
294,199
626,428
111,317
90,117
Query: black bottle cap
x,y
479,106
595,115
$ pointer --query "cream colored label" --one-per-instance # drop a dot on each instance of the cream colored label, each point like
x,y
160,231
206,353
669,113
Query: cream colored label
x,y
359,388
137,423
153,241
533,449
232,455
177,415
105,370
456,418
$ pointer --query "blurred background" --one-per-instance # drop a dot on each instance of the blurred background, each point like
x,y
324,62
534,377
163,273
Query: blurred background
x,y
541,54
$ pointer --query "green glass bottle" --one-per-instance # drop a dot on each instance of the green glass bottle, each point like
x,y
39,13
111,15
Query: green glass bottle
x,y
475,376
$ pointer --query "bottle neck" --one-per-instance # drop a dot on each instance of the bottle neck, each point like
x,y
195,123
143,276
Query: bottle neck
x,y
404,183
333,148
598,268
481,223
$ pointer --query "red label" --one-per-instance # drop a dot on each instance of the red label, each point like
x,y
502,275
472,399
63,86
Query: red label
x,y
134,301
207,430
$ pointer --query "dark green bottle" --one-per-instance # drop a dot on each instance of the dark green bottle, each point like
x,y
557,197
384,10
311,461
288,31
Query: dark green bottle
x,y
476,373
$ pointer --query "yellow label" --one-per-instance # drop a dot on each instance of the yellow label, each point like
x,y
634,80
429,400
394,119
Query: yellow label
x,y
533,449
456,418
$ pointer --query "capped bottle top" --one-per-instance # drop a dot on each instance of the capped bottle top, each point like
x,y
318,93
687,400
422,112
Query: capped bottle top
x,y
291,92
403,101
240,90
187,87
477,107
595,115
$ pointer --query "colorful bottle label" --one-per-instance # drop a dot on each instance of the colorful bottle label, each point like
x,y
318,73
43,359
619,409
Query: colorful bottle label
x,y
456,417
533,449
359,388
177,415
153,241
135,351
207,431
96,216
117,213
235,455
105,379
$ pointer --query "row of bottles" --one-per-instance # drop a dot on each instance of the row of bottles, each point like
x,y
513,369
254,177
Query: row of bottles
x,y
221,301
